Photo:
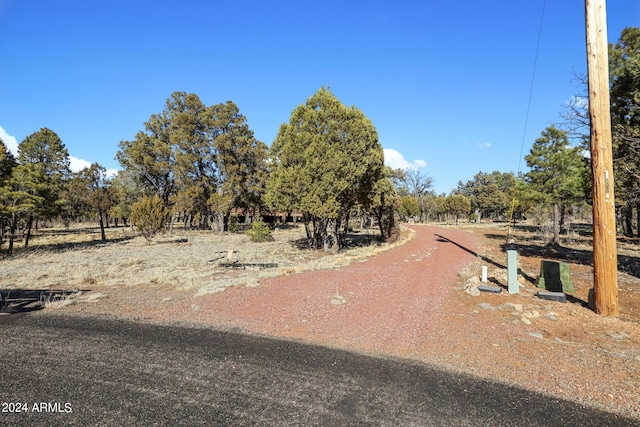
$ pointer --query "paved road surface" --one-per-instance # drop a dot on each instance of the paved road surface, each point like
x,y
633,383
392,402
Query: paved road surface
x,y
69,369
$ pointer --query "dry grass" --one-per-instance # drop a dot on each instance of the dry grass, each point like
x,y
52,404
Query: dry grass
x,y
76,259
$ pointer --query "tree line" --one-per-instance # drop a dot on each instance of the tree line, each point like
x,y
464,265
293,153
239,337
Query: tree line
x,y
558,183
200,164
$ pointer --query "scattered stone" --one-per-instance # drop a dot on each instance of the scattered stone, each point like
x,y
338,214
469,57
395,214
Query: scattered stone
x,y
525,320
553,296
338,299
531,314
551,316
474,279
618,335
486,306
492,289
516,307
472,290
94,297
535,335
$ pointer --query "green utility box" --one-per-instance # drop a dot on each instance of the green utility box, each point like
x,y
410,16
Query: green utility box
x,y
555,277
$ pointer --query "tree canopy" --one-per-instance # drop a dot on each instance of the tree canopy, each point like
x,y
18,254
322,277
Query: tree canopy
x,y
557,172
200,160
324,162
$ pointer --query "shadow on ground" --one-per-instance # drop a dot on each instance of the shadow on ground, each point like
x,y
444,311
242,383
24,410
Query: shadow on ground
x,y
25,300
626,263
212,377
486,259
67,246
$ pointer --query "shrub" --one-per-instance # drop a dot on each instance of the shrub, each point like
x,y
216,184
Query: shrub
x,y
149,215
234,224
260,232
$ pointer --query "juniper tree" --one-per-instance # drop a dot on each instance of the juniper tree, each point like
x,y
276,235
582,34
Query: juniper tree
x,y
94,188
324,162
195,157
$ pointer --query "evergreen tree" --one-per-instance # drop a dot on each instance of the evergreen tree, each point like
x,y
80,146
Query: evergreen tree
x,y
7,164
42,172
624,68
241,161
457,205
325,161
557,173
95,189
201,160
490,194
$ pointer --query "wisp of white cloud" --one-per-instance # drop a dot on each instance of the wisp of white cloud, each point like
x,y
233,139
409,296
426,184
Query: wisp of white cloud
x,y
395,160
76,164
484,145
9,141
111,173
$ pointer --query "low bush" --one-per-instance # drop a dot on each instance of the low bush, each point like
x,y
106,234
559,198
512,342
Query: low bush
x,y
149,216
259,232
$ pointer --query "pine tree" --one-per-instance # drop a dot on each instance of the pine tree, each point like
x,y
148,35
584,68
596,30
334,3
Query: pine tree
x,y
42,172
557,173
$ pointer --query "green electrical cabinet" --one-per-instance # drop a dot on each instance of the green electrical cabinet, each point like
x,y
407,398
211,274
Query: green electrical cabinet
x,y
555,276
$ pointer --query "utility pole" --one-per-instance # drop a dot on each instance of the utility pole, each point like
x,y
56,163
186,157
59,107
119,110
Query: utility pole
x,y
605,260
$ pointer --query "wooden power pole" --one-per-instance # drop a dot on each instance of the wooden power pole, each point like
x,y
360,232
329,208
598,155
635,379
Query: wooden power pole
x,y
605,260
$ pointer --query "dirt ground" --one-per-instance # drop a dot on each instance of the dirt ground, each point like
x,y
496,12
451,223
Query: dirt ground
x,y
577,252
408,300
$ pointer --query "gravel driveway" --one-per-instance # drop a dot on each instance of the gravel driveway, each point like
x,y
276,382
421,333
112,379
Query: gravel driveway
x,y
407,303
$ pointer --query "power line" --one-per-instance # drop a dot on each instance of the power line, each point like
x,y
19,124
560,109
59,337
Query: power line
x,y
526,118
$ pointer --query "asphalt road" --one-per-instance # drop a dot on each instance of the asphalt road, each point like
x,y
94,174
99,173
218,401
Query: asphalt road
x,y
67,369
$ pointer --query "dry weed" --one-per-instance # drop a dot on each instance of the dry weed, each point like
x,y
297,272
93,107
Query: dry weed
x,y
183,260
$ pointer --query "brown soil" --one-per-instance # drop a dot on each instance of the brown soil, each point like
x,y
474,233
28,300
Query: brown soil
x,y
410,302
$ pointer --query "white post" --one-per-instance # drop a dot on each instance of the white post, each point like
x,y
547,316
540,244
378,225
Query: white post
x,y
484,274
512,272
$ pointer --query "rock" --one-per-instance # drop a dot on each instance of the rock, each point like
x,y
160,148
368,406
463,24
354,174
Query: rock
x,y
516,307
473,280
338,300
531,314
486,306
472,290
618,335
535,334
551,316
525,320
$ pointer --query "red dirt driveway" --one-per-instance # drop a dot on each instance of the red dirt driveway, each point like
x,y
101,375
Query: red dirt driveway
x,y
392,303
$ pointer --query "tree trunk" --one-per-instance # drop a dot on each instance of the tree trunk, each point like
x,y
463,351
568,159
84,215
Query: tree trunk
x,y
627,213
329,235
638,219
478,216
556,224
563,219
12,232
102,234
27,236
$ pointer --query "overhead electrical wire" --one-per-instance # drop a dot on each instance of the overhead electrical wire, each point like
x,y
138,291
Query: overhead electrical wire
x,y
526,119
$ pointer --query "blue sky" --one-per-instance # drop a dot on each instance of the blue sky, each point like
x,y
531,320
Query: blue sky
x,y
446,83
